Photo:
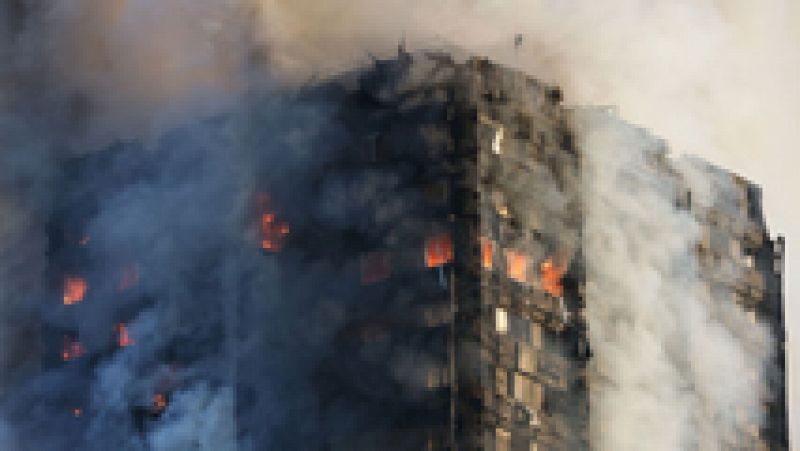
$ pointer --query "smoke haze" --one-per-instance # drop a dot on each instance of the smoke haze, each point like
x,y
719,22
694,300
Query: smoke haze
x,y
661,339
714,78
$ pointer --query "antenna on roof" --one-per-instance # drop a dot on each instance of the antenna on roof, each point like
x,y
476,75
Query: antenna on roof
x,y
401,46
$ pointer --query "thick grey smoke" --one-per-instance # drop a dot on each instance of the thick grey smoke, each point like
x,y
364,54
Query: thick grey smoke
x,y
146,215
160,189
209,313
170,191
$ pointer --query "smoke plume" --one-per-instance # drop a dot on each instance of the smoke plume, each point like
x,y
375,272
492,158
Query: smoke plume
x,y
661,340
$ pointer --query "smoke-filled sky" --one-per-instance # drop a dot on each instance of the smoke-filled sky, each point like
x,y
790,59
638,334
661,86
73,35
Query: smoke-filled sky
x,y
715,78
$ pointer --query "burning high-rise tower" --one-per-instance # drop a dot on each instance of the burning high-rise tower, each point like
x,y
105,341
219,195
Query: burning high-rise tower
x,y
423,254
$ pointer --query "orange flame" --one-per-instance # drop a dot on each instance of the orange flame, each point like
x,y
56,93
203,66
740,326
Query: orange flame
x,y
159,402
551,278
486,253
74,290
438,250
72,349
123,337
517,266
273,231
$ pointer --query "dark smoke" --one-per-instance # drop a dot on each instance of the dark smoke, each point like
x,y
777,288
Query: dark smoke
x,y
164,183
232,336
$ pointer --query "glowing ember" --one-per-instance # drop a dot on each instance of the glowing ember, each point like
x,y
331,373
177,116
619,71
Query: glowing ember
x,y
273,231
159,402
517,266
129,278
74,290
123,337
551,278
486,253
76,412
72,349
438,250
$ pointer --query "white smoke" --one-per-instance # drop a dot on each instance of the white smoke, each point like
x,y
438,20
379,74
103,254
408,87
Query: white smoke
x,y
663,347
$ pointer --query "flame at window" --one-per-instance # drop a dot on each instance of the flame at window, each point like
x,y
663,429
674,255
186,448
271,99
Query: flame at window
x,y
74,290
72,349
123,336
159,402
551,278
438,250
486,253
517,266
273,231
